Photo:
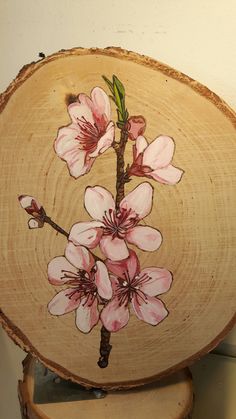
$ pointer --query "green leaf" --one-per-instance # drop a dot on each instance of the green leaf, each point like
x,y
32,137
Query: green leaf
x,y
109,83
126,115
119,85
120,116
120,124
118,99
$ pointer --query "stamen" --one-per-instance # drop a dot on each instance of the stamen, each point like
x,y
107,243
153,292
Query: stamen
x,y
117,223
89,134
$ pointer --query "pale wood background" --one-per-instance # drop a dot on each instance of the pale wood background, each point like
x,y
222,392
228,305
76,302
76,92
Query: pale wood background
x,y
196,37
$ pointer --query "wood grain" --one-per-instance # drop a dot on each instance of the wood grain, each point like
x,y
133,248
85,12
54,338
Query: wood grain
x,y
170,399
197,217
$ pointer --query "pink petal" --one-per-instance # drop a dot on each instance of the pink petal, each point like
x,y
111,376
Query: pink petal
x,y
69,149
101,102
79,256
78,110
146,238
57,268
115,316
151,311
105,141
169,175
115,283
122,267
102,281
159,153
87,315
140,145
139,201
159,281
86,234
114,249
98,200
64,302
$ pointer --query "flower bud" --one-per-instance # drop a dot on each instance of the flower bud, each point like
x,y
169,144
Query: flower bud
x,y
31,206
35,223
135,126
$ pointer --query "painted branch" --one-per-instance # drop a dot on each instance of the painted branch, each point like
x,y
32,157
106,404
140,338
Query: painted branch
x,y
105,348
55,226
120,168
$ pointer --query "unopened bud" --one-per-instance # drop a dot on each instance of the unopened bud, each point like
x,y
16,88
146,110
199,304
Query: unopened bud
x,y
135,126
31,206
35,223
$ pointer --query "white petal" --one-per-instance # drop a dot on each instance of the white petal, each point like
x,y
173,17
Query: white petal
x,y
139,201
101,102
86,234
151,310
114,249
77,111
64,302
159,153
98,201
145,237
102,281
159,281
58,270
105,141
87,315
140,144
79,257
169,175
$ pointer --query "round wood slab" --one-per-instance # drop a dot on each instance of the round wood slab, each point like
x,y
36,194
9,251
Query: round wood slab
x,y
196,216
170,399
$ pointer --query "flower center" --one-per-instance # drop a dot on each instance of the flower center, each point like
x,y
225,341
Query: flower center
x,y
117,223
89,134
130,288
83,285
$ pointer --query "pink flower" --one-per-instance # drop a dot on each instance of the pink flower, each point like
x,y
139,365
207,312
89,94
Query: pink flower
x,y
112,228
90,133
87,281
135,126
130,285
153,160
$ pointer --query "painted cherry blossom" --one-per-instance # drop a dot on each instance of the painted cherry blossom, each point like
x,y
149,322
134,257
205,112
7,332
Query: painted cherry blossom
x,y
112,227
90,133
138,289
154,160
87,281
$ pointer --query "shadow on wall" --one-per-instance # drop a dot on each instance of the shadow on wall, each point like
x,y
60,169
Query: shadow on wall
x,y
11,357
214,387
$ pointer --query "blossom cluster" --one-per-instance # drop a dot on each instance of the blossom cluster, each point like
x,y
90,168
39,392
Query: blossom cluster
x,y
105,289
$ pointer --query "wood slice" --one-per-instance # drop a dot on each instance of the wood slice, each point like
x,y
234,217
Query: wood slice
x,y
172,398
196,217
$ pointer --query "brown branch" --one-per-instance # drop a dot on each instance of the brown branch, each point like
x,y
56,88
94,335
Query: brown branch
x,y
120,167
56,227
121,179
105,348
